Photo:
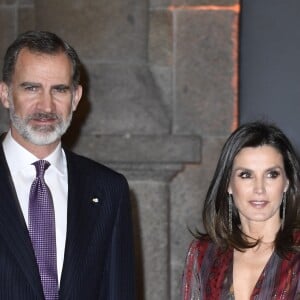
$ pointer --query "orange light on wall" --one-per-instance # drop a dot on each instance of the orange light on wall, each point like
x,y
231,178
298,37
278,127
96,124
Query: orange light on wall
x,y
234,8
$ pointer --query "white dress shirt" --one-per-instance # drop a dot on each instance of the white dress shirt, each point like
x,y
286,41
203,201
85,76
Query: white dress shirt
x,y
23,173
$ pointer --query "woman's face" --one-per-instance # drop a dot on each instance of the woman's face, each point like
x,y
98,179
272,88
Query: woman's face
x,y
257,184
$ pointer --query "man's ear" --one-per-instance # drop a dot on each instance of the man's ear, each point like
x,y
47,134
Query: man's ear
x,y
4,93
76,97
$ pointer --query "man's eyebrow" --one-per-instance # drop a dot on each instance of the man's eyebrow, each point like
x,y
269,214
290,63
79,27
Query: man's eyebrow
x,y
61,86
28,83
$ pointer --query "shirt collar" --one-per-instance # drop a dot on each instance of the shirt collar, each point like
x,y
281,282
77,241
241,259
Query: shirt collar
x,y
19,158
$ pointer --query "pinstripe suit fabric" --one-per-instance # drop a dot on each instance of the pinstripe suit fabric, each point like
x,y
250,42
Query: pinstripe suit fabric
x,y
98,261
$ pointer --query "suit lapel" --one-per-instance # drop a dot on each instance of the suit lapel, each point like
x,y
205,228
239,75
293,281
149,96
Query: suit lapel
x,y
81,219
14,230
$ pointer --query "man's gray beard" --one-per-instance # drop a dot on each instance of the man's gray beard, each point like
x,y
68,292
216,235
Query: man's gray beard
x,y
40,135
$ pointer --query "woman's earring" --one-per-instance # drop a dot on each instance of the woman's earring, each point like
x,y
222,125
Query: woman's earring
x,y
230,203
283,209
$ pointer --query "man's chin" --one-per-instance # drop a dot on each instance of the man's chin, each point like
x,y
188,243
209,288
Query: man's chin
x,y
40,134
42,129
42,138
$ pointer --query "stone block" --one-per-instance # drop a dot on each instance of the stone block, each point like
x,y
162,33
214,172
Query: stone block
x,y
124,99
26,19
188,190
164,149
162,77
99,30
187,194
9,2
160,38
205,69
150,207
8,21
156,172
159,3
211,149
205,2
26,2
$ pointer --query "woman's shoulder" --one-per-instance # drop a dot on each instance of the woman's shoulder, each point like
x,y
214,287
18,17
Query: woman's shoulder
x,y
200,245
197,250
297,237
202,250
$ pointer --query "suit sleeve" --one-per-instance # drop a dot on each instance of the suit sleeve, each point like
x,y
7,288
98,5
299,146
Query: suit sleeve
x,y
119,277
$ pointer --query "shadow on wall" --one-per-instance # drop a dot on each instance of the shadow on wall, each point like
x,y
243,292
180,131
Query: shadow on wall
x,y
81,114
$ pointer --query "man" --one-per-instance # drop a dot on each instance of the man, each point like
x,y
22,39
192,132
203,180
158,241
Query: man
x,y
88,213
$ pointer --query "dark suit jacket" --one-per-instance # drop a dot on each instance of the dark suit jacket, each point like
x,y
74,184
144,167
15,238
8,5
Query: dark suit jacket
x,y
98,261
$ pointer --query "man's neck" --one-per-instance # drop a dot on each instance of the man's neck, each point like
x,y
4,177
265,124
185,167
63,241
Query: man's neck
x,y
40,151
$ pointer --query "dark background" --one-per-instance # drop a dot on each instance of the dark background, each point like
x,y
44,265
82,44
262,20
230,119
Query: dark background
x,y
270,64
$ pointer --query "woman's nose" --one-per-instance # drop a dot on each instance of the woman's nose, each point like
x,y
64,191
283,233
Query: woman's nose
x,y
259,185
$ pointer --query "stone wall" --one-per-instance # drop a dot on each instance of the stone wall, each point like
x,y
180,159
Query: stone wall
x,y
160,99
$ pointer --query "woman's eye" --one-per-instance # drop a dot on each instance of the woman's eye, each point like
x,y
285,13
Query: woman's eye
x,y
273,174
245,174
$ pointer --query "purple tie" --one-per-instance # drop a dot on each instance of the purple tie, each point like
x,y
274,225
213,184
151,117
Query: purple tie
x,y
42,230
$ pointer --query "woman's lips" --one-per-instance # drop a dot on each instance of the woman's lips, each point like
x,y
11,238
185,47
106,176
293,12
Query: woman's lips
x,y
258,203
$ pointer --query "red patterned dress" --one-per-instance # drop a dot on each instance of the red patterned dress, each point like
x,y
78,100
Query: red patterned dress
x,y
208,275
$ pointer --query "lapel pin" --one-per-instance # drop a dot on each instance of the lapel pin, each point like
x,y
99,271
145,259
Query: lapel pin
x,y
95,200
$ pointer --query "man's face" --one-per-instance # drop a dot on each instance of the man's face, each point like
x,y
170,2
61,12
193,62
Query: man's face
x,y
41,97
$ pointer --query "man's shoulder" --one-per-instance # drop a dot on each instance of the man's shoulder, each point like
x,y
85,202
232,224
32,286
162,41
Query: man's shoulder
x,y
87,166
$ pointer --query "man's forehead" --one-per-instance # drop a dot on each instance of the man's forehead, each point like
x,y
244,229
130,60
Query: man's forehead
x,y
28,52
45,69
35,60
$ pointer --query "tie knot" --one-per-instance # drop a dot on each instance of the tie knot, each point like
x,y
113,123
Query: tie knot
x,y
41,166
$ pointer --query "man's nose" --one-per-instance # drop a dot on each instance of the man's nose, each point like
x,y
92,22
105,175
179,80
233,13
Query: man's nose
x,y
46,102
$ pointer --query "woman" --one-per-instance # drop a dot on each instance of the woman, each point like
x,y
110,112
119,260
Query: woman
x,y
251,215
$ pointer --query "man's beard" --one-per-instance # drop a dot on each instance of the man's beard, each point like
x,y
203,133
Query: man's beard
x,y
40,134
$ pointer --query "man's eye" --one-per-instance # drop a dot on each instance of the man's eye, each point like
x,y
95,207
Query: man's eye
x,y
61,89
244,174
31,88
273,174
